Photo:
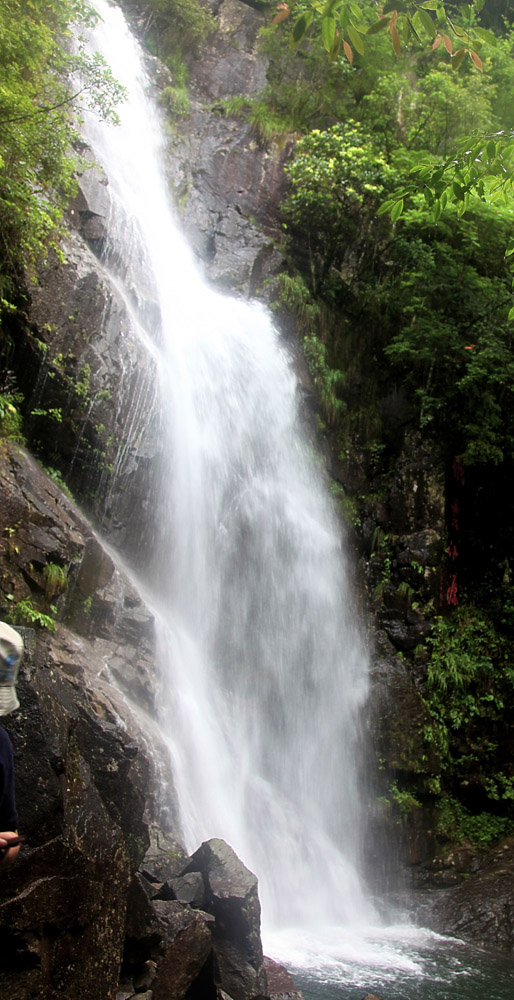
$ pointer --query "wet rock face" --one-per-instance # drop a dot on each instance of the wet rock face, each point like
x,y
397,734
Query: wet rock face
x,y
280,983
230,63
90,392
83,783
41,532
102,885
478,905
226,183
62,916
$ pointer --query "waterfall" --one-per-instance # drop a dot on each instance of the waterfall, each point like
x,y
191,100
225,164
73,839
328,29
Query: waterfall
x,y
262,666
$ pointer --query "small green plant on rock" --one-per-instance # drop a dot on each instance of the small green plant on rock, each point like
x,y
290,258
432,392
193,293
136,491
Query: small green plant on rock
x,y
176,101
55,578
404,800
56,476
24,613
10,416
459,825
469,690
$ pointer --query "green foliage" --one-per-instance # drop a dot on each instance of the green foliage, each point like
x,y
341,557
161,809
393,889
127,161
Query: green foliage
x,y
53,413
481,166
457,824
24,613
10,416
176,101
469,691
429,113
404,800
346,27
266,123
43,87
410,305
448,299
335,170
463,653
55,578
83,385
337,179
56,477
327,380
295,295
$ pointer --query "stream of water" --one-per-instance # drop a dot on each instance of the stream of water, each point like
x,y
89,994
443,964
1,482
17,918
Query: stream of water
x,y
263,665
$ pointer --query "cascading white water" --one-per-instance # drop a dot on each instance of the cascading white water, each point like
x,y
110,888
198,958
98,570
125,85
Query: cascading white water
x,y
263,668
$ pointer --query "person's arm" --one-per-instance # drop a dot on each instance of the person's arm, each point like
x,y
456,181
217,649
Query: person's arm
x,y
8,813
8,854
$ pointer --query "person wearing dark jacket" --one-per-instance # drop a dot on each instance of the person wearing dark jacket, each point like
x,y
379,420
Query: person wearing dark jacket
x,y
11,652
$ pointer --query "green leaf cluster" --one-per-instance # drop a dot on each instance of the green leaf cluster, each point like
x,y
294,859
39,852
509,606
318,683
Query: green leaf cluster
x,y
469,692
44,84
23,612
418,291
446,298
346,26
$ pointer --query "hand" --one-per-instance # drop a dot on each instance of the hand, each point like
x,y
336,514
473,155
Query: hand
x,y
8,854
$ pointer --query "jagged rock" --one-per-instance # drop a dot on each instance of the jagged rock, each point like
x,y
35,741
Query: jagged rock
x,y
188,889
39,526
164,859
62,914
480,907
228,185
167,942
230,63
146,977
187,944
231,185
89,209
233,899
280,983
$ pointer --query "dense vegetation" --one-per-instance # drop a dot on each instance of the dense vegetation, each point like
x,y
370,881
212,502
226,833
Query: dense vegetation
x,y
44,84
405,316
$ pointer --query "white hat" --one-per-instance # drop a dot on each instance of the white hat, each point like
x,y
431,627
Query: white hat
x,y
11,653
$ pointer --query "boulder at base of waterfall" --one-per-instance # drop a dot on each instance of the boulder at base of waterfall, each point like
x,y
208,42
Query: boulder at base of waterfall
x,y
186,944
280,983
168,945
232,898
205,947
